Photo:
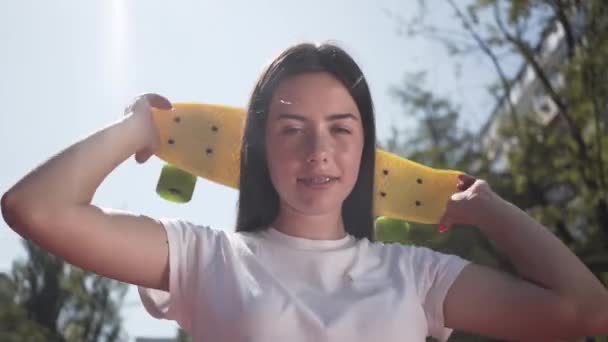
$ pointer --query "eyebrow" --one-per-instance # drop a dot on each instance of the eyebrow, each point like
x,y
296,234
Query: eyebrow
x,y
332,117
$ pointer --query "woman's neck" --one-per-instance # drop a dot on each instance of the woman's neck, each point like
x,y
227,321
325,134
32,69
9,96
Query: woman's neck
x,y
327,226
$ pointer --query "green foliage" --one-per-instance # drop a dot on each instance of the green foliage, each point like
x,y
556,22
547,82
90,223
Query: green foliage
x,y
182,336
572,148
557,164
46,299
437,140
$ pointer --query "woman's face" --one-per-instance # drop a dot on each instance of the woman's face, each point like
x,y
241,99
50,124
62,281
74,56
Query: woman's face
x,y
314,143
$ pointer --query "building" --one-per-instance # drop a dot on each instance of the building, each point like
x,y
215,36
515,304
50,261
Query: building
x,y
528,97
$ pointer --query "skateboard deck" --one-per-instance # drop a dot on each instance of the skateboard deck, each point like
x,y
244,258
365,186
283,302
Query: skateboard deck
x,y
205,140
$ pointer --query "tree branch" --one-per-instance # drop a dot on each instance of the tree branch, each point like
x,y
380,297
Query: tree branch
x,y
558,8
590,75
563,110
488,51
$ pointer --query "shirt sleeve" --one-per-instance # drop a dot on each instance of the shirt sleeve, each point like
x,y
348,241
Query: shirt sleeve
x,y
435,273
190,251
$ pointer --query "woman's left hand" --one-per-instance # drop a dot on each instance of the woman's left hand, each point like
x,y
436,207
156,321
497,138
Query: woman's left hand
x,y
470,206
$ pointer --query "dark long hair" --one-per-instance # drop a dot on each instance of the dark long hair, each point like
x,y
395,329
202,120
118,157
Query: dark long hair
x,y
258,203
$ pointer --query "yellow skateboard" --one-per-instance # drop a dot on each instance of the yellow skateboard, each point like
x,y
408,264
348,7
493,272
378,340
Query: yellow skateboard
x,y
204,140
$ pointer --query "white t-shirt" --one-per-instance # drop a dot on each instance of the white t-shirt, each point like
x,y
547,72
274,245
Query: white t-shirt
x,y
269,286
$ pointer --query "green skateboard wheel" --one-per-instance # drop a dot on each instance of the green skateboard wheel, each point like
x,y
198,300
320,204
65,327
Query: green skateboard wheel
x,y
175,185
391,230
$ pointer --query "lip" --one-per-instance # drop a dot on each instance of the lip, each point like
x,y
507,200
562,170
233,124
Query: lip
x,y
313,176
318,186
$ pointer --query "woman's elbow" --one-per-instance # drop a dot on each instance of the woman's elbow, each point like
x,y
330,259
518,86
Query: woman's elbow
x,y
14,213
8,205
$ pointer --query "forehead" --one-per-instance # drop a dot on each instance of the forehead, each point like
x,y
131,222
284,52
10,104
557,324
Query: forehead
x,y
311,93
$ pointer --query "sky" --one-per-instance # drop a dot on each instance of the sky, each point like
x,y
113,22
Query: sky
x,y
69,68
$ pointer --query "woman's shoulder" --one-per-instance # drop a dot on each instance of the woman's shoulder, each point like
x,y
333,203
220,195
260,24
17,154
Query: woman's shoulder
x,y
198,227
389,249
411,256
196,230
189,232
397,248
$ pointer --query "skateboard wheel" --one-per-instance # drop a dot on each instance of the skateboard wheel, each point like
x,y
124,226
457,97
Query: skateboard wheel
x,y
391,230
175,185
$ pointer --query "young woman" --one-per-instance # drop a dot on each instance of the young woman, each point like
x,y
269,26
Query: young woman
x,y
302,264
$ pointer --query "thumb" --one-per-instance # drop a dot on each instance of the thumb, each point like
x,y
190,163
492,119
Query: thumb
x,y
458,196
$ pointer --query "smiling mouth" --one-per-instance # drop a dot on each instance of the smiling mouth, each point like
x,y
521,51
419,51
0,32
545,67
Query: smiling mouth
x,y
318,180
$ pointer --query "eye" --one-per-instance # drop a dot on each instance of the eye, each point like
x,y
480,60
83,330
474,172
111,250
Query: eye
x,y
342,130
291,130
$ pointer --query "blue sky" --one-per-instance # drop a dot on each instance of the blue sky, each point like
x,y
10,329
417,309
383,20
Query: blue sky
x,y
68,68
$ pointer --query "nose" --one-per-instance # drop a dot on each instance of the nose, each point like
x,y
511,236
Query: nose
x,y
319,149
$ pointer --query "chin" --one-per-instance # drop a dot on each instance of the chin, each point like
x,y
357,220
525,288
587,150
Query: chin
x,y
316,206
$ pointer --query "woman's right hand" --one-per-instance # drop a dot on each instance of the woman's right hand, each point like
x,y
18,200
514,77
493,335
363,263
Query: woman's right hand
x,y
139,113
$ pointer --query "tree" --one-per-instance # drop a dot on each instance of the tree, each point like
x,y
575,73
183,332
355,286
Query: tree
x,y
46,299
552,127
182,336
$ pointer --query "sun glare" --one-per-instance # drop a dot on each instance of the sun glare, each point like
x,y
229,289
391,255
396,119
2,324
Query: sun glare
x,y
117,47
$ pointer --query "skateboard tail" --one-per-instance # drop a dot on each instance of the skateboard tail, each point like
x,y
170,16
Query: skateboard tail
x,y
204,140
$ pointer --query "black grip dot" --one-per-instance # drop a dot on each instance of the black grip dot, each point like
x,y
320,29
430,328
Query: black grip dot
x,y
214,128
171,141
177,119
209,151
418,203
385,171
419,180
383,194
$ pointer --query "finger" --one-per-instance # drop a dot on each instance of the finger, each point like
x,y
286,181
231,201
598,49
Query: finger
x,y
456,198
463,185
158,101
140,103
444,222
466,181
465,177
443,227
142,156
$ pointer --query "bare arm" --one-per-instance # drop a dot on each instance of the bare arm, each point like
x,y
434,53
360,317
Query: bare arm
x,y
558,296
52,205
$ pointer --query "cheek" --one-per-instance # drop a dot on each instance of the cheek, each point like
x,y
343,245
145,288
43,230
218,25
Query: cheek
x,y
352,162
280,163
283,153
359,154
